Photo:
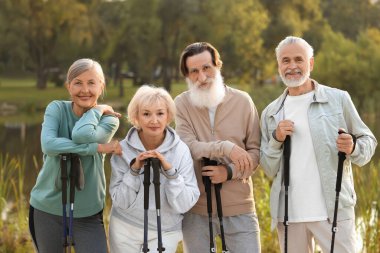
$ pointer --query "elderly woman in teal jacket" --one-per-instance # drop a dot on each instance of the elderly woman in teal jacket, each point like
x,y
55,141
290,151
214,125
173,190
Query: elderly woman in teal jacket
x,y
83,128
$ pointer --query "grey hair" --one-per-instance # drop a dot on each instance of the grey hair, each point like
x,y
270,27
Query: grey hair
x,y
82,65
149,95
295,40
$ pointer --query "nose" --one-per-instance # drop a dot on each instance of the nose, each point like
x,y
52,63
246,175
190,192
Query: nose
x,y
202,76
85,88
292,65
154,118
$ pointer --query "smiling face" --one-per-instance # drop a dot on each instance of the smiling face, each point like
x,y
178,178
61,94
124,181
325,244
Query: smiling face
x,y
85,90
152,119
294,66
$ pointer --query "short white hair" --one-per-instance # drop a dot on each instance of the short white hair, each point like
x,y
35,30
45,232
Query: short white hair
x,y
295,40
149,95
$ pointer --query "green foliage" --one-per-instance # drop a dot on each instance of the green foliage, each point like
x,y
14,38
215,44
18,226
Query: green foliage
x,y
351,66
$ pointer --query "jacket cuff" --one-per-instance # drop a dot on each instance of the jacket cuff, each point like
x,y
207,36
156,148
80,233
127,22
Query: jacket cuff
x,y
354,140
230,168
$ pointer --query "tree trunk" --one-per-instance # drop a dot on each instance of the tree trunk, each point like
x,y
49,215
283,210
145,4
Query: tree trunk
x,y
41,78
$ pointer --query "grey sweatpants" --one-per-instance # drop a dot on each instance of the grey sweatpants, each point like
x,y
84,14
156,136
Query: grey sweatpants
x,y
241,232
47,232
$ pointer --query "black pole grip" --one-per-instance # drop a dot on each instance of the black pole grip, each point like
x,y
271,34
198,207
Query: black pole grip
x,y
146,182
156,181
73,172
287,150
63,163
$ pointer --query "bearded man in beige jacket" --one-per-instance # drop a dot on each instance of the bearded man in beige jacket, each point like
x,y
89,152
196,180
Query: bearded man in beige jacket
x,y
220,123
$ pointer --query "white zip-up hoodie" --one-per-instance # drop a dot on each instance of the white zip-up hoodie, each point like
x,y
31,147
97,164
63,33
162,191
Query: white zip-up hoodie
x,y
178,194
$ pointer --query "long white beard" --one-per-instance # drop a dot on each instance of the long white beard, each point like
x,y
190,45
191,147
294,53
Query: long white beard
x,y
210,97
292,83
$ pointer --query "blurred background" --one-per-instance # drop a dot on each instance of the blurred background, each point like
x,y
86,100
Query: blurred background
x,y
140,41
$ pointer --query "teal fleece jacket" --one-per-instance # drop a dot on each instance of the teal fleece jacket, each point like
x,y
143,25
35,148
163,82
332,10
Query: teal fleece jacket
x,y
64,132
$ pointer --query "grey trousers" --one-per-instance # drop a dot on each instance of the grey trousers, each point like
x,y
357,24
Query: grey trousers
x,y
241,232
47,232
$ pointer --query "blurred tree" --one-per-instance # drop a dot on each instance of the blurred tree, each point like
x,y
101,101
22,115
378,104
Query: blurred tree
x,y
136,41
351,66
39,25
173,16
350,17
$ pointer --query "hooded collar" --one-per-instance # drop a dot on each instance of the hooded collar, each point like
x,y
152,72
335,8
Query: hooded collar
x,y
133,140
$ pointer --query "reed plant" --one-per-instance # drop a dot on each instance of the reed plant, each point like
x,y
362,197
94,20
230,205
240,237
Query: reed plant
x,y
367,187
14,235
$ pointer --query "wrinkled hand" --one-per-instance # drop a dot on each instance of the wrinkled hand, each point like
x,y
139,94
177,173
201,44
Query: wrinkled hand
x,y
113,147
243,162
345,143
151,154
284,128
217,174
107,110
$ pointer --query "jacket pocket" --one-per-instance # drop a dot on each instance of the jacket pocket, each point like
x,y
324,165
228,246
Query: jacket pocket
x,y
347,194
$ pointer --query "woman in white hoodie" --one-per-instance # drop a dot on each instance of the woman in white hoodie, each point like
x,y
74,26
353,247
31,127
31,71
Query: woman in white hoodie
x,y
151,110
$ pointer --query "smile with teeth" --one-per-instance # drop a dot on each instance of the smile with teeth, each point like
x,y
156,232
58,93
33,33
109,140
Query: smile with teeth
x,y
293,73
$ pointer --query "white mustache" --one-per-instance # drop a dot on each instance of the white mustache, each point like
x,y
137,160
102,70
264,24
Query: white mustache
x,y
296,71
209,80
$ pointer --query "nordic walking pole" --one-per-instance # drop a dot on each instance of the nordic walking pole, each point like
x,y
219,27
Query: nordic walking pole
x,y
219,208
286,184
146,183
207,184
63,161
156,181
342,157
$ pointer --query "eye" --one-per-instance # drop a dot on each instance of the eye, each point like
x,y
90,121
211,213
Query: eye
x,y
194,71
146,114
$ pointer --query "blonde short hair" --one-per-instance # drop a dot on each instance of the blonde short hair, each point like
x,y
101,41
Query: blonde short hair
x,y
149,95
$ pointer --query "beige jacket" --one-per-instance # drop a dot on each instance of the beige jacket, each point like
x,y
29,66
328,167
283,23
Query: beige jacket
x,y
236,123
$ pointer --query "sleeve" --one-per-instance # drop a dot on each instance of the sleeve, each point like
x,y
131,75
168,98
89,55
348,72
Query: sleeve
x,y
253,134
365,140
52,144
270,150
92,127
124,186
199,149
182,192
